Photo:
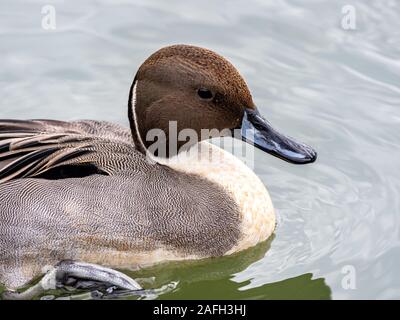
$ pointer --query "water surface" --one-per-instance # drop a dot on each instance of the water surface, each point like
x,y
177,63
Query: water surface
x,y
338,90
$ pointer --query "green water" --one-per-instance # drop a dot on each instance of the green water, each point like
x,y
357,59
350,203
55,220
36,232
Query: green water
x,y
212,279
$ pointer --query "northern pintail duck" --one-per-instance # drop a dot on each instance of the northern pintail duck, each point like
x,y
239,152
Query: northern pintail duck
x,y
96,192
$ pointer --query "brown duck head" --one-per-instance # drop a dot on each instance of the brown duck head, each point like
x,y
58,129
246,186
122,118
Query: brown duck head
x,y
195,88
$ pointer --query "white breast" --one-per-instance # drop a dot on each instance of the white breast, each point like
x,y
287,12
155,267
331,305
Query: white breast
x,y
213,163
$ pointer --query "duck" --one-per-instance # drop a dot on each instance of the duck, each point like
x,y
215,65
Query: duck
x,y
118,197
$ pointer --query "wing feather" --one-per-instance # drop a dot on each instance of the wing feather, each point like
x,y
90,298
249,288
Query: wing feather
x,y
33,147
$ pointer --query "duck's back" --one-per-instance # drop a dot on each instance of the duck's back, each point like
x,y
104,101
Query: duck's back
x,y
133,212
31,148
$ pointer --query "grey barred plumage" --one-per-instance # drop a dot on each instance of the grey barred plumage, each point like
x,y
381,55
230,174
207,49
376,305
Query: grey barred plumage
x,y
60,216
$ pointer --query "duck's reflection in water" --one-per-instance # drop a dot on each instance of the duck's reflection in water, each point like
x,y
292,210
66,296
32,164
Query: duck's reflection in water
x,y
212,279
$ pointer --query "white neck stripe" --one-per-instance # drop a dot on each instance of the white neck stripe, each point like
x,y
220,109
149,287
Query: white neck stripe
x,y
133,106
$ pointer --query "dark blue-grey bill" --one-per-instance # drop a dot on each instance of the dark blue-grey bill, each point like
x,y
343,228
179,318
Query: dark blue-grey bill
x,y
259,132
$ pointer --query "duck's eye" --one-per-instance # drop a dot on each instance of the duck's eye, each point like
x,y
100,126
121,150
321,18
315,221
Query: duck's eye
x,y
205,94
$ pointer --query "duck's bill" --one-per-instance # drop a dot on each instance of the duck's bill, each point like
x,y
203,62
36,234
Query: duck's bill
x,y
259,132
